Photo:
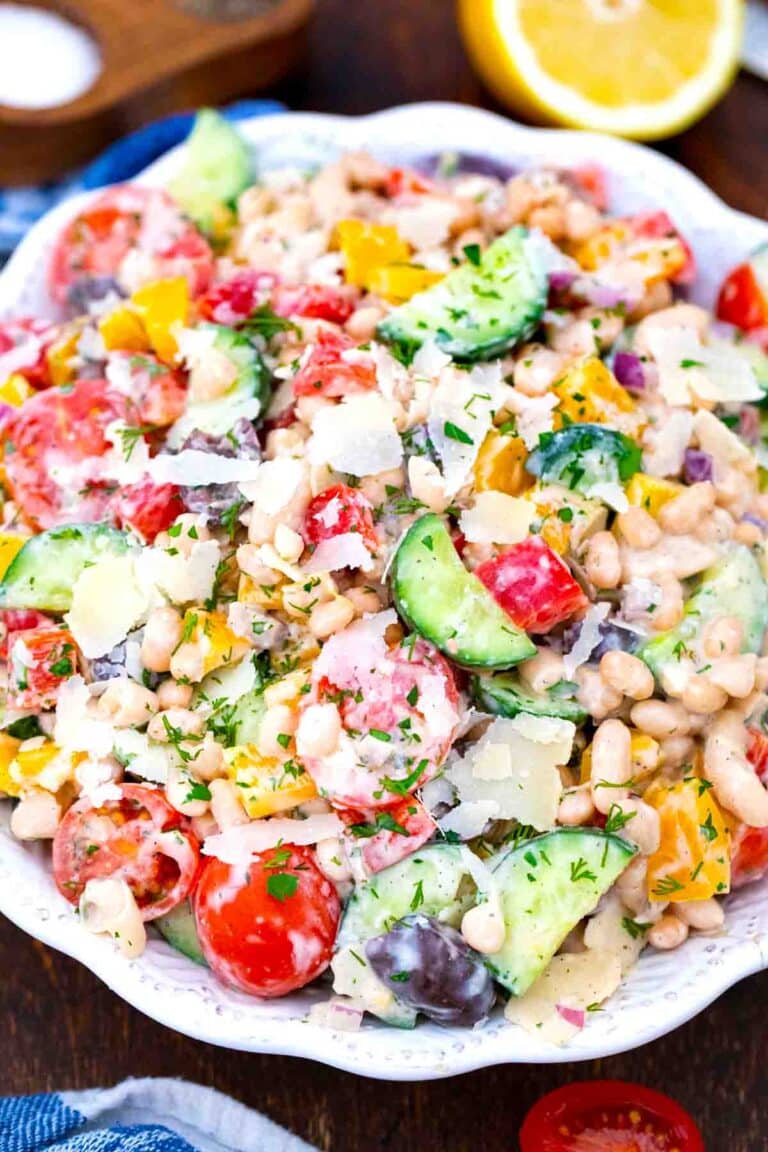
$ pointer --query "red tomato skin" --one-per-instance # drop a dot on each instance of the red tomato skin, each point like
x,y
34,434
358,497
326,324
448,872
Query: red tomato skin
x,y
57,426
592,180
749,846
147,834
532,585
657,226
387,847
147,508
316,302
347,509
232,301
20,620
406,182
249,937
158,395
54,656
39,335
741,301
576,1118
325,373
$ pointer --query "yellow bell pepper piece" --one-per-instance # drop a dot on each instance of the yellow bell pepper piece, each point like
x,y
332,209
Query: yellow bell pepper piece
x,y
585,765
10,546
122,330
266,786
367,248
162,305
500,465
601,245
15,390
567,518
43,765
8,749
399,282
693,859
219,644
260,595
651,492
60,357
589,393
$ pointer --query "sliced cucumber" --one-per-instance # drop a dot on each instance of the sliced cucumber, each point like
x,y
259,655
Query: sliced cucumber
x,y
504,695
44,572
249,712
216,170
582,456
178,928
732,587
436,880
246,399
448,605
482,308
547,886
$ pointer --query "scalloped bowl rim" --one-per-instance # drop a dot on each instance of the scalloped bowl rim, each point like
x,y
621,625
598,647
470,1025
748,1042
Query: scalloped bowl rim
x,y
663,990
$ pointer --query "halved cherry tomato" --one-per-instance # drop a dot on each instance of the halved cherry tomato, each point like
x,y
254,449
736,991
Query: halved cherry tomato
x,y
316,302
95,244
267,928
155,391
407,182
659,226
39,660
399,710
757,752
139,838
326,372
608,1116
532,585
147,508
388,835
749,846
741,300
233,301
28,340
19,620
337,511
55,432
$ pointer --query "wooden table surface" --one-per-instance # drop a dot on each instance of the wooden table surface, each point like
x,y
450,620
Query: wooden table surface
x,y
63,1029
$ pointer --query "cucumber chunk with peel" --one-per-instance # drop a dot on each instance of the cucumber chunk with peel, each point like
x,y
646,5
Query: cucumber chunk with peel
x,y
43,574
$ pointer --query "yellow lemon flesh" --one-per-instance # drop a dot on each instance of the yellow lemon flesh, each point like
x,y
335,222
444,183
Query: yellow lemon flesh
x,y
641,68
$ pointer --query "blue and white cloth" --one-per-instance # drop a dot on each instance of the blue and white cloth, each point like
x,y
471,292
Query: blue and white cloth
x,y
148,1115
21,207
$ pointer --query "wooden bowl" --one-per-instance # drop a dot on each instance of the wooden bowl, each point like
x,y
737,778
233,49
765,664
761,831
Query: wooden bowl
x,y
158,56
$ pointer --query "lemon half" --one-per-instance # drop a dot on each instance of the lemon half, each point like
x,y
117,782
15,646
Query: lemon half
x,y
641,68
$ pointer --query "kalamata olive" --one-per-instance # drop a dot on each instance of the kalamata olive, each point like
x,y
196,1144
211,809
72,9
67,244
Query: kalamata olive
x,y
430,967
614,637
111,665
87,290
465,163
240,443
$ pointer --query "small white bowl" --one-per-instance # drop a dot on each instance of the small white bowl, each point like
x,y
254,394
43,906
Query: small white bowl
x,y
663,990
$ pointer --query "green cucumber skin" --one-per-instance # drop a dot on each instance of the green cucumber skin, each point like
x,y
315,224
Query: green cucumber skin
x,y
502,695
253,380
542,902
217,168
439,599
564,457
178,928
249,712
44,572
732,587
501,302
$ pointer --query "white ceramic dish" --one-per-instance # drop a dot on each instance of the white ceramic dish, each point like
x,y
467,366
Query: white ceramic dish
x,y
664,990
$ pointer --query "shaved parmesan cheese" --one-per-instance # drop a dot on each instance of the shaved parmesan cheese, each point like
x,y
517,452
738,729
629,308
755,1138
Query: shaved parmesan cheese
x,y
75,728
193,469
107,602
182,579
572,981
690,370
97,780
469,818
514,766
606,931
228,683
610,493
588,639
460,413
664,444
141,756
429,361
275,484
533,413
496,518
344,551
238,844
714,437
357,436
425,224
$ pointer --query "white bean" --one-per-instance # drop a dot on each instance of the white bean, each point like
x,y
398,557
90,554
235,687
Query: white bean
x,y
668,933
127,704
611,764
108,905
703,915
319,730
736,785
36,816
627,674
483,927
332,860
226,808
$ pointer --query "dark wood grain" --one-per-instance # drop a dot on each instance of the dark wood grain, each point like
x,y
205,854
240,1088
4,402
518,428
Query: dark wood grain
x,y
63,1029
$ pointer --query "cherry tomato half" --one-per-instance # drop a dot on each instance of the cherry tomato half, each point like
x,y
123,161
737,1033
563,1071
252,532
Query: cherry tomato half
x,y
388,835
232,301
268,928
139,838
40,660
327,373
532,585
147,508
741,300
316,301
608,1116
337,511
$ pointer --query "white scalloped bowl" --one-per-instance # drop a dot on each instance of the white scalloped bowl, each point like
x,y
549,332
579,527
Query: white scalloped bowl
x,y
663,990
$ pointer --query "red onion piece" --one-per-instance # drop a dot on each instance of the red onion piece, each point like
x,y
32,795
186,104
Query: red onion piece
x,y
697,466
575,1016
629,371
561,280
